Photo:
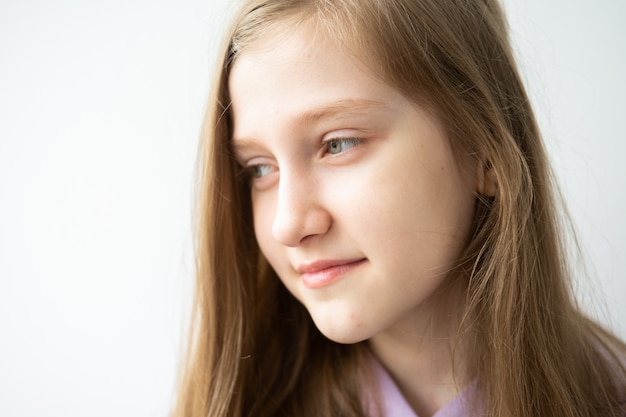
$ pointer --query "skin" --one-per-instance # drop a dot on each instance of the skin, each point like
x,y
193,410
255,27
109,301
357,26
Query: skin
x,y
346,170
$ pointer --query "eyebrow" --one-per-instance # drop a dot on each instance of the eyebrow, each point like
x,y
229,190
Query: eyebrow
x,y
344,107
336,108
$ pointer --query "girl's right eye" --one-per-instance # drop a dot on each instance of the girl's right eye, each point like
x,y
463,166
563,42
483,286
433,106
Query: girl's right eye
x,y
260,170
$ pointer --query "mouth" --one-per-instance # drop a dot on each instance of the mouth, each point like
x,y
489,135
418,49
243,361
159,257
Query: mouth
x,y
325,272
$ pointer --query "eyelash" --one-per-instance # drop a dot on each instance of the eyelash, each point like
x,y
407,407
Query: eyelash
x,y
350,141
252,171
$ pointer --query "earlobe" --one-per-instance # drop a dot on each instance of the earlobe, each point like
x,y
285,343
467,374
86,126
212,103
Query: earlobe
x,y
487,183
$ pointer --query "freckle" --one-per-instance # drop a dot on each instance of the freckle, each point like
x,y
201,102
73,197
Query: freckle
x,y
357,322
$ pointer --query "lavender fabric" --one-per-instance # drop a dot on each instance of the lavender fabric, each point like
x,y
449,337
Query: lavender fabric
x,y
395,405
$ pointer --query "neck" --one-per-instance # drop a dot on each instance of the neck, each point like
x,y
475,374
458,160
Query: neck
x,y
423,354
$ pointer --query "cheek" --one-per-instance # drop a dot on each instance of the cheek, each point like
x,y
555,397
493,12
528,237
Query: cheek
x,y
422,218
263,211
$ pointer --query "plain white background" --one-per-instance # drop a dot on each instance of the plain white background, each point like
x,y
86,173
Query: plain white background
x,y
100,109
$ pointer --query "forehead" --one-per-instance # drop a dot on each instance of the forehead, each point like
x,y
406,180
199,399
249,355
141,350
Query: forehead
x,y
303,76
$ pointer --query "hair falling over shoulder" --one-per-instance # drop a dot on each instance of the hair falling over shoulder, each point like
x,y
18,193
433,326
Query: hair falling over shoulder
x,y
254,350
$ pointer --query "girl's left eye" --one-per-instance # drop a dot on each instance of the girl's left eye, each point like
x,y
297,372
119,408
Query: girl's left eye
x,y
336,146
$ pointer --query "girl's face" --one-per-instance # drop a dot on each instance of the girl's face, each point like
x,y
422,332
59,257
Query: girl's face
x,y
359,204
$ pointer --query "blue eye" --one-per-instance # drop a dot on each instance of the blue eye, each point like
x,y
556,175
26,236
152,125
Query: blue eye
x,y
260,170
336,146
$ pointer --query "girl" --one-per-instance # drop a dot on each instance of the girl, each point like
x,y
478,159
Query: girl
x,y
378,233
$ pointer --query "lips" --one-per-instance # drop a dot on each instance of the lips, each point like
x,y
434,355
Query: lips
x,y
325,272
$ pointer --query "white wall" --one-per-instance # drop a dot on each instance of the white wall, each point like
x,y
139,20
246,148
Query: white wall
x,y
100,107
573,54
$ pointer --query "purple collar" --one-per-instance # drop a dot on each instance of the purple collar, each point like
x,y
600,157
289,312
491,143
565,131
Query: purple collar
x,y
395,405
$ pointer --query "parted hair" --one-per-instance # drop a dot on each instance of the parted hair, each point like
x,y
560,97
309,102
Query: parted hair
x,y
253,349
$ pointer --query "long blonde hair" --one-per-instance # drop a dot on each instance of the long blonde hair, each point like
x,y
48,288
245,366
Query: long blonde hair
x,y
253,349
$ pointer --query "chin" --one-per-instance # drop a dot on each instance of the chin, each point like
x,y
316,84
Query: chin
x,y
346,333
344,338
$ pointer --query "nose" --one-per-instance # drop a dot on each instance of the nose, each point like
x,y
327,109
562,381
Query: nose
x,y
299,213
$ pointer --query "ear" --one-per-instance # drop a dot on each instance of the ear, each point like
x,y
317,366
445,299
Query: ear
x,y
487,183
